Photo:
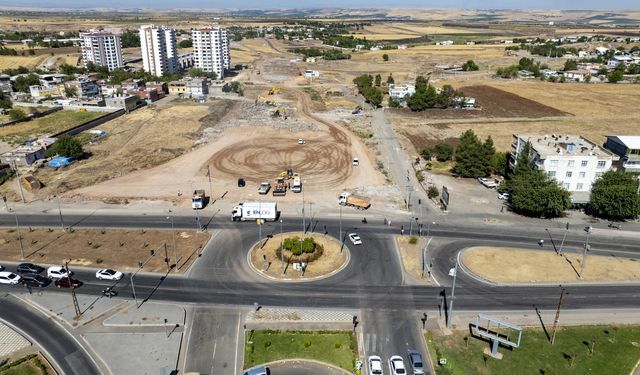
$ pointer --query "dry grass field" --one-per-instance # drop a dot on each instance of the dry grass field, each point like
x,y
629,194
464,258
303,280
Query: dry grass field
x,y
29,62
47,125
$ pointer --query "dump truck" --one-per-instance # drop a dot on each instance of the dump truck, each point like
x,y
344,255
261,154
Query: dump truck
x,y
357,201
280,189
197,199
255,210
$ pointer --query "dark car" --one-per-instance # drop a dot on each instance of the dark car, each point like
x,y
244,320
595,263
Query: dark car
x,y
29,268
67,282
241,182
35,280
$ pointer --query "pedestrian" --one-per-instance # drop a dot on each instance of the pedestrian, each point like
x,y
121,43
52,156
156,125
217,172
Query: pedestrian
x,y
385,221
389,222
541,243
502,209
325,230
402,230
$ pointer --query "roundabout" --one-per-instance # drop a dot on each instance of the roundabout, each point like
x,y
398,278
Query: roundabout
x,y
297,257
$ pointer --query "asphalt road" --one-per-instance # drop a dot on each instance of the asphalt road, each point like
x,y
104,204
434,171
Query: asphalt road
x,y
68,355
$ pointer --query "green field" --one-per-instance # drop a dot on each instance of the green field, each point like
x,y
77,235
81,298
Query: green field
x,y
47,125
616,351
335,347
28,365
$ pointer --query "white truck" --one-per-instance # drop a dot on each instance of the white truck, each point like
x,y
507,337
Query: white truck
x,y
297,185
255,210
357,201
197,199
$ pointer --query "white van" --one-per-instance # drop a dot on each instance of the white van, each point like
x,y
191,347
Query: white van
x,y
297,185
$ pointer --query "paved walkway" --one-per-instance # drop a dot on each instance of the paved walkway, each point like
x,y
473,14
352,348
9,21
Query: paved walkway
x,y
11,341
267,315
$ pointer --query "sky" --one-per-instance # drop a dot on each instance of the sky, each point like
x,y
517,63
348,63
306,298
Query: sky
x,y
273,4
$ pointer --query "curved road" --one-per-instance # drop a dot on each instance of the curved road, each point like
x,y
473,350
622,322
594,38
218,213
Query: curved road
x,y
67,356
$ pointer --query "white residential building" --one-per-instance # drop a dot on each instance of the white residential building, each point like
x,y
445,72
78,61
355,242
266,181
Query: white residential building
x,y
211,49
573,161
159,50
102,48
400,92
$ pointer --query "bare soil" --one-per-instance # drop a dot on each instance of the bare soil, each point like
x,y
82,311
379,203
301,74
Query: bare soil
x,y
521,266
411,256
331,259
109,248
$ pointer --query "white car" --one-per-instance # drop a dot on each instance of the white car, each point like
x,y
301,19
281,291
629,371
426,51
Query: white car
x,y
396,365
301,141
9,278
355,239
504,196
264,188
488,183
109,274
356,162
375,365
58,272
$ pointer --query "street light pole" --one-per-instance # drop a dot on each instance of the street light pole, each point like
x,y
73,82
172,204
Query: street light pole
x,y
173,237
340,228
15,165
584,252
15,213
60,212
281,248
304,226
425,259
453,292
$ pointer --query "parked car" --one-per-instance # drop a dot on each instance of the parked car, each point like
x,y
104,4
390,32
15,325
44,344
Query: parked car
x,y
264,188
415,361
241,182
67,282
258,371
35,280
10,278
355,239
396,365
488,183
375,365
504,196
109,274
301,141
29,268
57,272
355,162
1,268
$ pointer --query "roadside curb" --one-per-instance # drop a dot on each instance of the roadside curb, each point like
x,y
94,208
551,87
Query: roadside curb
x,y
483,280
305,280
48,357
284,362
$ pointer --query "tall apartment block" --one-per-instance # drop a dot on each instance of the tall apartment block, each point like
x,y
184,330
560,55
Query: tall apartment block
x,y
159,50
101,48
211,49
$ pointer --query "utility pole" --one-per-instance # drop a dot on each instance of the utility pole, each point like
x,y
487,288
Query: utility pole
x,y
210,183
60,213
425,259
15,213
555,322
304,224
281,247
340,228
173,237
563,238
76,306
584,251
453,292
15,165
152,253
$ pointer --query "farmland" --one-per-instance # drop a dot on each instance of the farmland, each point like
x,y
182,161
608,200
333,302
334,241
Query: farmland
x,y
47,125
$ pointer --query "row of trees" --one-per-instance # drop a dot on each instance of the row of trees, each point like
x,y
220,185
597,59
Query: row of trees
x,y
474,158
372,94
427,96
524,64
327,54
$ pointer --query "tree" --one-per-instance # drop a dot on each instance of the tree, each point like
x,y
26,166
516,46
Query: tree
x,y
70,91
17,114
532,192
615,196
616,76
23,82
197,72
187,43
570,65
470,65
500,163
393,102
472,156
378,80
385,57
66,146
130,38
432,192
390,79
5,101
426,153
375,98
443,152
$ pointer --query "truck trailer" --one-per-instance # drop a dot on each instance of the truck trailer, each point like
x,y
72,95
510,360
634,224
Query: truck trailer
x,y
255,210
357,201
197,199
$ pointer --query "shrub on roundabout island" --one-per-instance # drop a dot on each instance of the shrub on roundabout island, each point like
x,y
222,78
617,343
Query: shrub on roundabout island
x,y
300,250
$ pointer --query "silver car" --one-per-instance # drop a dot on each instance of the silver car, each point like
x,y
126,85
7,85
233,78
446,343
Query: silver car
x,y
415,361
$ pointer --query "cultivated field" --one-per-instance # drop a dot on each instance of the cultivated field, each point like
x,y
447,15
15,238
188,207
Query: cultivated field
x,y
13,62
47,125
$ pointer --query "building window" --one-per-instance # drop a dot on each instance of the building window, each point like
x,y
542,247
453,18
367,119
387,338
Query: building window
x,y
553,163
571,163
602,163
584,163
551,173
598,174
567,185
583,174
579,186
569,174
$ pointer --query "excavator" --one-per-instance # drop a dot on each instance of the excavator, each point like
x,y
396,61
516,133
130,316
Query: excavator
x,y
274,90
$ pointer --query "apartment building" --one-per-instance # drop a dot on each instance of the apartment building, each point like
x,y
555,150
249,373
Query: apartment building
x,y
102,48
159,50
627,147
211,49
573,161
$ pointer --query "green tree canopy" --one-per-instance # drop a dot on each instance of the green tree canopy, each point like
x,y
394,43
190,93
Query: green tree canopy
x,y
5,101
615,196
197,72
17,114
616,76
23,82
570,65
66,146
470,65
187,43
130,38
473,158
443,151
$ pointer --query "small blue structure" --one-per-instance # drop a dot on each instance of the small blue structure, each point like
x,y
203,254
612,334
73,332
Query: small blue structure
x,y
60,161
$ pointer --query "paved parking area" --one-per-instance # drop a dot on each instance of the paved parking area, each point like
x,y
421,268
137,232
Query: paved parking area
x,y
11,341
